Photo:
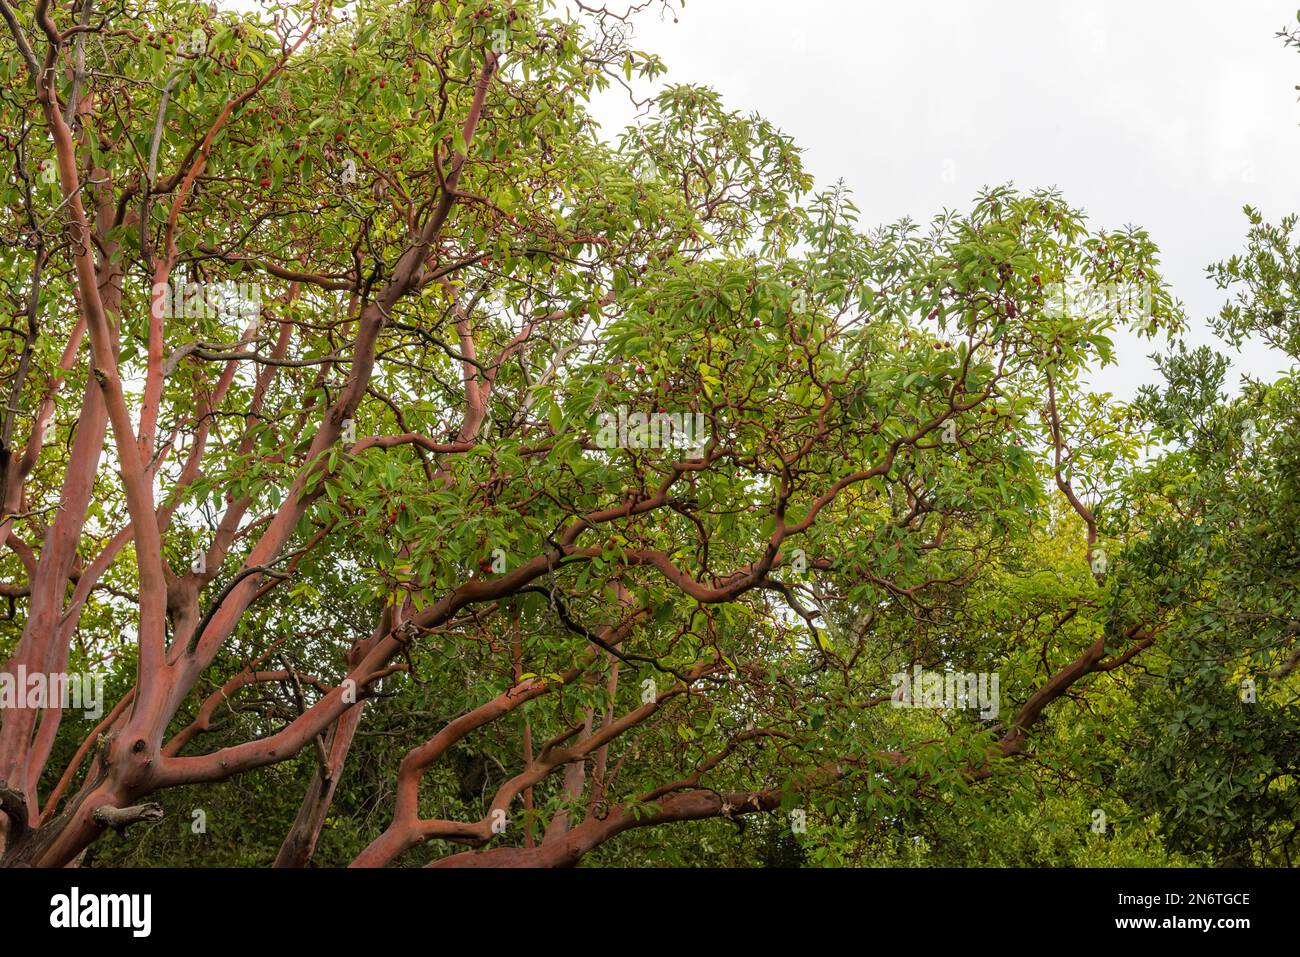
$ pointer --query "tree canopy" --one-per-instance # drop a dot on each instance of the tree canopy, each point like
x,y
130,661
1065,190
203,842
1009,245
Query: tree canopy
x,y
432,477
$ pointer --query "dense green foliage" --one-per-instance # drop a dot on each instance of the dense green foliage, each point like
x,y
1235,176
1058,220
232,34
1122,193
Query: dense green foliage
x,y
901,467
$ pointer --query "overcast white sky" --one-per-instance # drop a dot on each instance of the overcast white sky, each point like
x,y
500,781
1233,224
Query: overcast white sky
x,y
1169,115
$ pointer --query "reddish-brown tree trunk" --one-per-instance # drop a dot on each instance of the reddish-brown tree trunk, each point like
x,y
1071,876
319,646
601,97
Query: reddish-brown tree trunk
x,y
299,844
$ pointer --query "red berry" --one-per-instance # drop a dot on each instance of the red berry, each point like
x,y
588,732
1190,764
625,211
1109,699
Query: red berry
x,y
338,137
265,183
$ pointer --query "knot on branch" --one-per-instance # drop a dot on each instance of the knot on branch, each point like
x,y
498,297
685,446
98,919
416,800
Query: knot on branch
x,y
120,818
406,633
14,805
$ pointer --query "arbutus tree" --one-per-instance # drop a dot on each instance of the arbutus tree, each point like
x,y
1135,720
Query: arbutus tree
x,y
329,308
